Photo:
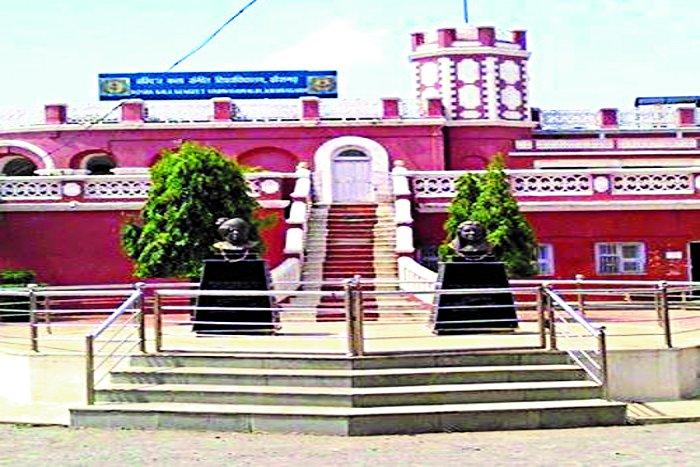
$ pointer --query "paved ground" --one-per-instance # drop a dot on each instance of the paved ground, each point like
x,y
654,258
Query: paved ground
x,y
669,444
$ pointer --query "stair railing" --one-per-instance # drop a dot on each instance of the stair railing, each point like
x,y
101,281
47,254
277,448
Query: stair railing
x,y
133,307
563,321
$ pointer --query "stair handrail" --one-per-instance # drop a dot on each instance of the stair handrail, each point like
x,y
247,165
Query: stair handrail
x,y
594,363
416,278
134,304
286,276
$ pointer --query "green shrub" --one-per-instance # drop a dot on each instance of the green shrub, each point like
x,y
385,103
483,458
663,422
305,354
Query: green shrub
x,y
487,199
191,188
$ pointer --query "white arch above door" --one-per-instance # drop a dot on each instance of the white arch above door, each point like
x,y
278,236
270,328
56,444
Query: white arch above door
x,y
34,149
323,160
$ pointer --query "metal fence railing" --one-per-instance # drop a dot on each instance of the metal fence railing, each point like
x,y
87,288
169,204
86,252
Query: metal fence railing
x,y
356,317
113,340
586,343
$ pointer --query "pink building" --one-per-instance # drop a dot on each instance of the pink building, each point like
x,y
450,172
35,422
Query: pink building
x,y
611,193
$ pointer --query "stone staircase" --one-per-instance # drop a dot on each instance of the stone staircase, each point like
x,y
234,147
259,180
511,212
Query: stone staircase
x,y
351,396
347,240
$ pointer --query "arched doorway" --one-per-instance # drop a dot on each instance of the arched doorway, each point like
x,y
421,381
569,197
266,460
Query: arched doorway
x,y
351,172
351,169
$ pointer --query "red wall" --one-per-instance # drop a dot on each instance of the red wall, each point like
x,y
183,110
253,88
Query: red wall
x,y
421,146
471,147
68,248
574,235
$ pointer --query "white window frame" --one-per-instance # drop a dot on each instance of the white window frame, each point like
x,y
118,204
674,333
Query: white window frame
x,y
545,262
610,259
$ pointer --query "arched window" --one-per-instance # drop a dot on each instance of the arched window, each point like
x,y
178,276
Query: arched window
x,y
17,166
100,164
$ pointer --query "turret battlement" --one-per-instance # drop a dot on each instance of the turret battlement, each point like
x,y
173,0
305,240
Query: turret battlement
x,y
479,73
468,36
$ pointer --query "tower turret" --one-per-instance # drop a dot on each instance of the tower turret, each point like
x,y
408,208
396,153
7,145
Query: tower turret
x,y
479,75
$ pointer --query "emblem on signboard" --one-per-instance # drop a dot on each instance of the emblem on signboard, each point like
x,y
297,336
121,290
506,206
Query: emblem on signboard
x,y
321,84
115,87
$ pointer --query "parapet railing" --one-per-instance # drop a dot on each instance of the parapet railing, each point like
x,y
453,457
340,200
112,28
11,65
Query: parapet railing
x,y
58,186
579,183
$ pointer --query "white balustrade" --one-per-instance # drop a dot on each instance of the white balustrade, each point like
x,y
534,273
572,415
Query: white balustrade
x,y
652,183
113,187
110,187
569,120
340,109
526,183
30,188
351,109
554,183
268,110
656,143
179,112
647,118
84,114
415,278
435,184
566,144
20,117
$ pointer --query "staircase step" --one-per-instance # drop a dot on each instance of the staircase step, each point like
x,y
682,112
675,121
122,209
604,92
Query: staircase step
x,y
391,377
345,421
352,397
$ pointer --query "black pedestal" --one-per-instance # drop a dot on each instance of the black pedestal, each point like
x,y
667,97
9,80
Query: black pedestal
x,y
466,313
242,315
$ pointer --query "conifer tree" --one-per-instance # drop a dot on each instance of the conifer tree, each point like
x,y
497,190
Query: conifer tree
x,y
191,188
487,199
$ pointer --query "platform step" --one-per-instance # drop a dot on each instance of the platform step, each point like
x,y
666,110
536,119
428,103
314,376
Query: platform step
x,y
353,421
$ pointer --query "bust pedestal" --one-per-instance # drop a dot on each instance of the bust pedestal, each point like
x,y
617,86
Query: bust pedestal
x,y
239,314
468,313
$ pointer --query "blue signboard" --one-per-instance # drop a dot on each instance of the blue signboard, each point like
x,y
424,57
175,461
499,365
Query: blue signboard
x,y
207,85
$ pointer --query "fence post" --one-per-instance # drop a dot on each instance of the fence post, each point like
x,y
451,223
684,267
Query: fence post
x,y
33,324
663,308
139,305
603,349
541,301
89,369
579,295
551,319
157,322
353,312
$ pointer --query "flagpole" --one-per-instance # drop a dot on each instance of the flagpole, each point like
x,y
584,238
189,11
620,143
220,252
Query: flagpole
x,y
466,13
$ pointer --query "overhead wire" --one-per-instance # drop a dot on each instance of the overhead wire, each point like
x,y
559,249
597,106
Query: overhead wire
x,y
176,63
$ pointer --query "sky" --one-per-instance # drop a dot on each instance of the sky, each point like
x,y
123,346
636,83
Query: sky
x,y
586,54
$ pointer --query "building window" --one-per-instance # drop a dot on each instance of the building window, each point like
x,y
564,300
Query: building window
x,y
100,164
17,166
545,259
620,258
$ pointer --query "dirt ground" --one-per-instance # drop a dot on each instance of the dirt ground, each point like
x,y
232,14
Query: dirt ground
x,y
664,444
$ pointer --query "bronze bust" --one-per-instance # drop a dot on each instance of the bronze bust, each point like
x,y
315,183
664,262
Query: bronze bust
x,y
235,234
470,244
